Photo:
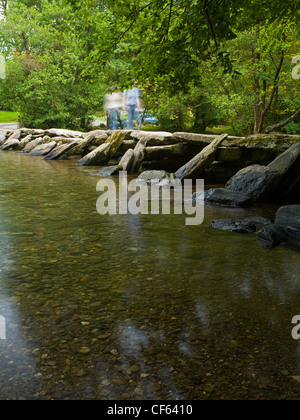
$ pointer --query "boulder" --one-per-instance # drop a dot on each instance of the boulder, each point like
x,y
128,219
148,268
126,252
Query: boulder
x,y
257,181
126,145
202,140
169,151
97,136
10,144
103,153
94,138
288,165
233,225
127,160
110,171
157,138
153,176
138,155
258,220
115,140
43,149
33,131
34,143
99,156
271,235
3,136
65,140
198,197
201,161
284,162
288,217
59,151
225,197
23,142
55,132
82,147
15,135
262,182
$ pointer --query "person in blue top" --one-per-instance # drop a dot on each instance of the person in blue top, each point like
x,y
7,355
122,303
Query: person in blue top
x,y
131,102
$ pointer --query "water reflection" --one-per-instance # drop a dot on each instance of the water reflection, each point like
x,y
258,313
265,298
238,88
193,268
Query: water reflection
x,y
135,306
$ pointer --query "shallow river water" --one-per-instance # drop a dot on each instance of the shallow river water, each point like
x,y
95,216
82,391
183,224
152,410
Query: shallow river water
x,y
136,307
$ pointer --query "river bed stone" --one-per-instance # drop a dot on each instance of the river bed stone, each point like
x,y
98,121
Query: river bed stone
x,y
136,306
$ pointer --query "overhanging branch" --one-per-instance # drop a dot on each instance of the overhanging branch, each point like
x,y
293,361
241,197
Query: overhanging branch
x,y
282,123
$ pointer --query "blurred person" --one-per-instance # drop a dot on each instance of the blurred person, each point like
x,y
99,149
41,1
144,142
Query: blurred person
x,y
112,106
132,103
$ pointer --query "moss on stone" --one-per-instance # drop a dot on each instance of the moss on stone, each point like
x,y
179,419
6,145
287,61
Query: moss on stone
x,y
280,141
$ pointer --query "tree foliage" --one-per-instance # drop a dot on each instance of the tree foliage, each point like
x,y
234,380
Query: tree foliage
x,y
199,62
232,56
45,65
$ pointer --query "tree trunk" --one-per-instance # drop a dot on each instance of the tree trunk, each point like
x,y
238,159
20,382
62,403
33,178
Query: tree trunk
x,y
26,46
261,105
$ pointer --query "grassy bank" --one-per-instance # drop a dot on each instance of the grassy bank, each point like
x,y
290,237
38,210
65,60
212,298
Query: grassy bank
x,y
8,117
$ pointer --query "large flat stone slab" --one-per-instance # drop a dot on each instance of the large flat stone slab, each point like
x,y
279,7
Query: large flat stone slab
x,y
55,132
10,144
36,142
227,198
101,155
159,138
201,161
286,160
59,151
97,157
24,141
43,149
233,225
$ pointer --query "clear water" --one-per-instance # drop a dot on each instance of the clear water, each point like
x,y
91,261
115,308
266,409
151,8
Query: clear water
x,y
136,307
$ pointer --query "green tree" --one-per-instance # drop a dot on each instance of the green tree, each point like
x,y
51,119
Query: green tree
x,y
45,67
237,53
258,93
171,36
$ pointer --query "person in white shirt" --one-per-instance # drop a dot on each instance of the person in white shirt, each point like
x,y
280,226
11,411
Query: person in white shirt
x,y
112,106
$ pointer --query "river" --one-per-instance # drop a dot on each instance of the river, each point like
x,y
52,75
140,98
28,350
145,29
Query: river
x,y
136,307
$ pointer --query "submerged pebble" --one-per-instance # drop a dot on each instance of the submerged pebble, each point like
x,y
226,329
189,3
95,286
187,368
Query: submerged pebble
x,y
136,307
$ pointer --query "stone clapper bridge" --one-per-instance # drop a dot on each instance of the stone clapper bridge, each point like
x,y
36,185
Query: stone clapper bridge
x,y
253,169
